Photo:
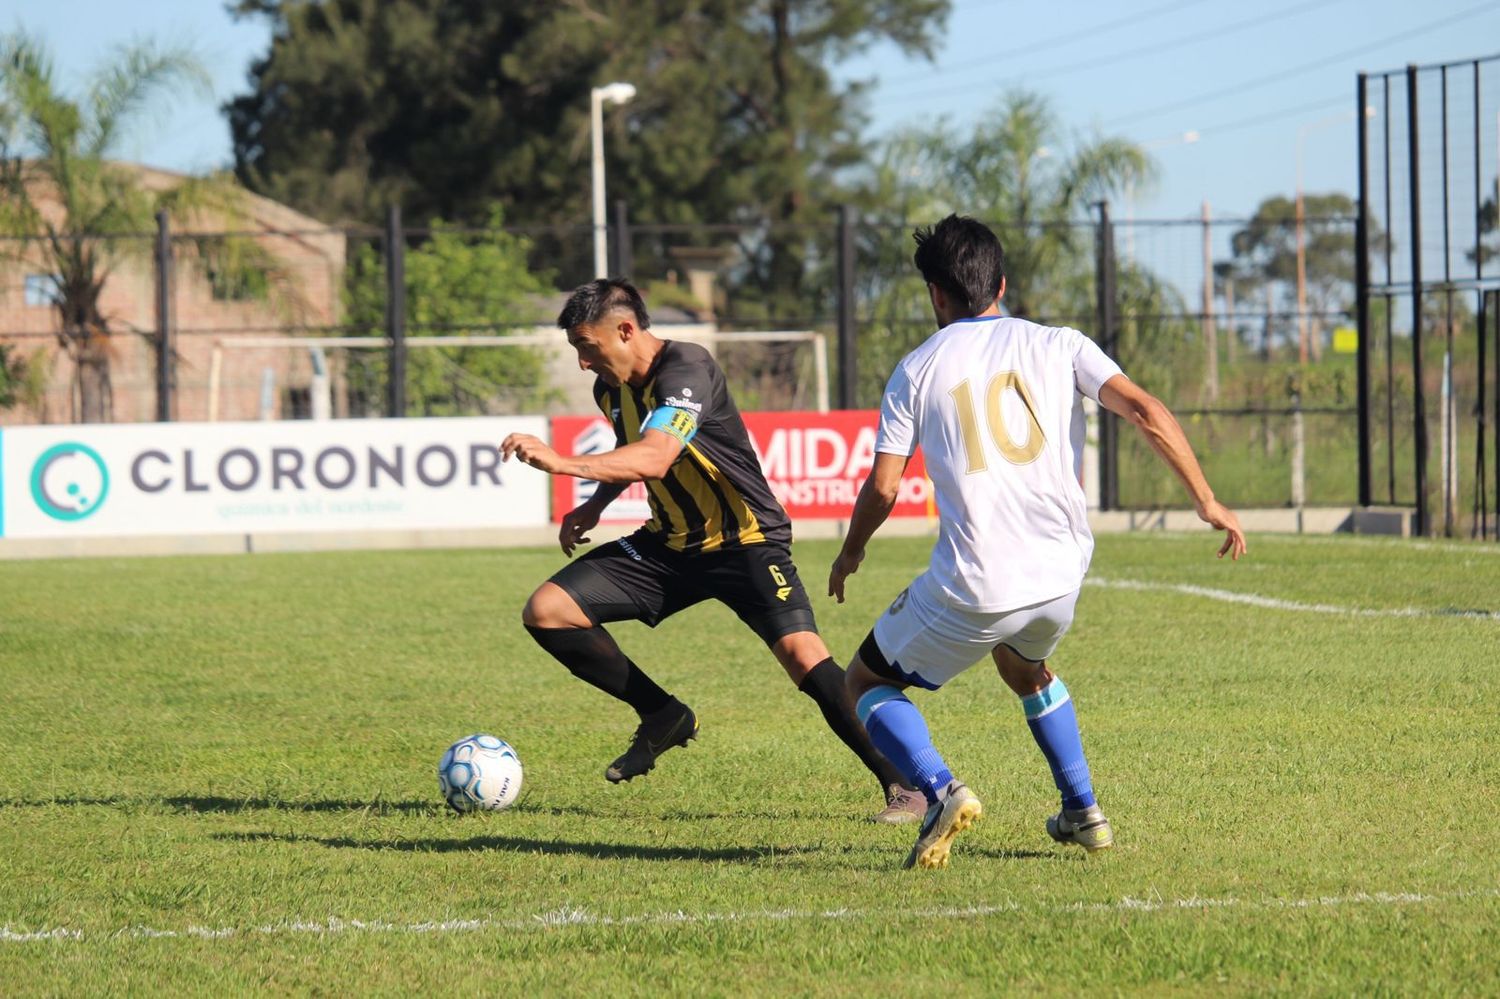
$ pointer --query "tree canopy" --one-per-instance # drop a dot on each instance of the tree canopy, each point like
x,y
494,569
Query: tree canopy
x,y
1263,259
457,283
448,106
1015,169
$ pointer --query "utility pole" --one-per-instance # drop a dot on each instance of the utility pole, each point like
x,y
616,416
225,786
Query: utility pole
x,y
1210,330
1301,275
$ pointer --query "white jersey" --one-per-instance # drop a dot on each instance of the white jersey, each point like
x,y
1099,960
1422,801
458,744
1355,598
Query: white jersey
x,y
995,405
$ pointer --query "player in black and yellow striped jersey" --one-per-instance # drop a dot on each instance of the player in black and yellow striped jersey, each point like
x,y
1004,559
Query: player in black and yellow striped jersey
x,y
716,532
713,496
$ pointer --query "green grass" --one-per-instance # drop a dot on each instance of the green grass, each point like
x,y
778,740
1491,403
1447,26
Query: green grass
x,y
1302,800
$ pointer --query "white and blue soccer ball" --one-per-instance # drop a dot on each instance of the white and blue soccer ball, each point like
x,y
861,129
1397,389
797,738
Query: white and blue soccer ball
x,y
480,772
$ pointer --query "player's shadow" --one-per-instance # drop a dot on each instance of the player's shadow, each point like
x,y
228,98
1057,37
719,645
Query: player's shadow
x,y
211,803
68,802
222,804
1001,854
674,814
520,844
218,804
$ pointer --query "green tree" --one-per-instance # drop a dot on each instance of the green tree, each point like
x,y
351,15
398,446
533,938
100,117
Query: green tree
x,y
458,282
58,186
1487,248
78,214
1263,261
19,377
1016,170
449,105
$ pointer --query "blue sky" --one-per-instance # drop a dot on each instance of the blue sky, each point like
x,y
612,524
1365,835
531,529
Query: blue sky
x,y
1248,78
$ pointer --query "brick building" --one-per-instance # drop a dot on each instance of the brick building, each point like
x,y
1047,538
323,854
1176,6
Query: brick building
x,y
212,303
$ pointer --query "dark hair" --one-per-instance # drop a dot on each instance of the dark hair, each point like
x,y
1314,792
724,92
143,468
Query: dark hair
x,y
964,258
591,302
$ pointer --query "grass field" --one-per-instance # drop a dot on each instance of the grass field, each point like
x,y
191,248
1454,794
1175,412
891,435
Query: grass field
x,y
216,774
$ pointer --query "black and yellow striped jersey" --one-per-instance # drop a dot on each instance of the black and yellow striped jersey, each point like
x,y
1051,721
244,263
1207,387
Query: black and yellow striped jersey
x,y
714,496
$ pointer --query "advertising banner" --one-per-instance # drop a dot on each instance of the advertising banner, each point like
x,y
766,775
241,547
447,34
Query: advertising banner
x,y
242,478
815,463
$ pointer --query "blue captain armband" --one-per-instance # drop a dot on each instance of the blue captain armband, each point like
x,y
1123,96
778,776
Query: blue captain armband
x,y
679,423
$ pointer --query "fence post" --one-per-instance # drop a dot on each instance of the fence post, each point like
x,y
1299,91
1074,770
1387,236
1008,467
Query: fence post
x,y
1481,488
624,258
1299,456
1494,315
1104,288
1419,399
847,381
1482,506
395,311
165,368
1362,299
1210,326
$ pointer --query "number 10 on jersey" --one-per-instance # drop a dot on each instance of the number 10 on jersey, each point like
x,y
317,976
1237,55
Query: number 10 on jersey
x,y
968,422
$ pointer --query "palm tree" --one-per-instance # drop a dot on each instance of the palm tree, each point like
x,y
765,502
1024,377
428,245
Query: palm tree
x,y
1012,170
64,203
1016,170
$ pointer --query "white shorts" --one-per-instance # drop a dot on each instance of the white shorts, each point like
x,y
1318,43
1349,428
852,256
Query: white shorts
x,y
928,638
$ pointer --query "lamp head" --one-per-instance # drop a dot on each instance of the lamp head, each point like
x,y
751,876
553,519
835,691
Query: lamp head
x,y
615,93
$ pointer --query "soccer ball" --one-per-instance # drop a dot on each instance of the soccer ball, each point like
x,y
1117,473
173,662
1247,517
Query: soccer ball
x,y
480,771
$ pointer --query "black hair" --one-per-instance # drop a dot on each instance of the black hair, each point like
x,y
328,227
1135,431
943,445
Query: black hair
x,y
591,302
964,258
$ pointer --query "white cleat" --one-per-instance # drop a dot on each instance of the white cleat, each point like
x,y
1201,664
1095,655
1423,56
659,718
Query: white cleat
x,y
952,814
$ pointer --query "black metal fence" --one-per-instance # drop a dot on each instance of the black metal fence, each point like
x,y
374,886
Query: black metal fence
x,y
1429,271
1254,355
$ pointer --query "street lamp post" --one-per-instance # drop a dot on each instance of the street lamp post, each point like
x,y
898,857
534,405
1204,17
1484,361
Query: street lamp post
x,y
1186,138
614,93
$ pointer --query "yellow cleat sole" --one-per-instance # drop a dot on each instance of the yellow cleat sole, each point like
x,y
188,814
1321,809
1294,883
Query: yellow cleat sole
x,y
936,855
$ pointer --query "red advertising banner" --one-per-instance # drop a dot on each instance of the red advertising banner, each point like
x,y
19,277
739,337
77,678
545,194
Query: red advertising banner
x,y
815,463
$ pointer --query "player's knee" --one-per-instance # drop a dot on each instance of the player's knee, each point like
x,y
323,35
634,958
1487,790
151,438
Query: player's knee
x,y
859,679
551,606
1021,675
799,654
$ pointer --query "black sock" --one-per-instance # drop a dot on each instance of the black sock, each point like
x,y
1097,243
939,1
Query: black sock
x,y
825,685
592,655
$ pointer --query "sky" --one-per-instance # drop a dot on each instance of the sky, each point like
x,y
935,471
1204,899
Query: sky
x,y
1255,82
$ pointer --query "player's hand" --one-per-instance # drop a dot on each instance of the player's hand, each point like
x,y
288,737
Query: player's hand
x,y
846,565
1220,516
580,519
531,450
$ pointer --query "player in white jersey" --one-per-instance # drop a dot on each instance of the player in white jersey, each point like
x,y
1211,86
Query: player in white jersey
x,y
995,404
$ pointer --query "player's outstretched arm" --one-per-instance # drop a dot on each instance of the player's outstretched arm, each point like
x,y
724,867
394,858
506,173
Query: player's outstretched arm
x,y
876,499
1129,401
648,458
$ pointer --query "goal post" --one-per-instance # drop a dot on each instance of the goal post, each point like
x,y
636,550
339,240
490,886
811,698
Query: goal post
x,y
750,359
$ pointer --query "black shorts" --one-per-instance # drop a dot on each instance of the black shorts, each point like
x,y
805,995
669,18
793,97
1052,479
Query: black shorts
x,y
640,579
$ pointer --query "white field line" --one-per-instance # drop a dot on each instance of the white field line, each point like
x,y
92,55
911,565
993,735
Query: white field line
x,y
1343,541
569,916
1275,603
1406,544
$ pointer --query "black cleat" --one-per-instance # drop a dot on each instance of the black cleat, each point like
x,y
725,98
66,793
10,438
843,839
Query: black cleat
x,y
673,725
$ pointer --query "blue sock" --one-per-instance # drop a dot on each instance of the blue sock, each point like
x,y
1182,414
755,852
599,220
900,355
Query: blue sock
x,y
898,730
1054,725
